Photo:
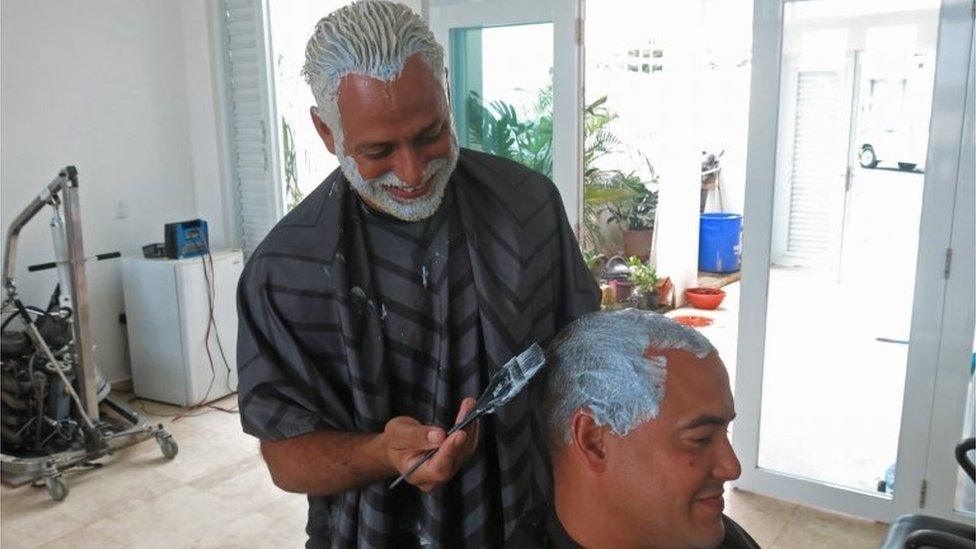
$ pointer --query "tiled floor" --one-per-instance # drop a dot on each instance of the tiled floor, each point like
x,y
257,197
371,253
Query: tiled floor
x,y
217,493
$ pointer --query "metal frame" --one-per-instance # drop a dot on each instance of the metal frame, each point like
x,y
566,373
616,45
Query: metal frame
x,y
566,17
63,191
927,330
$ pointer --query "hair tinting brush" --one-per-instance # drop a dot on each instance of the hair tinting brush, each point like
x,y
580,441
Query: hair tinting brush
x,y
504,385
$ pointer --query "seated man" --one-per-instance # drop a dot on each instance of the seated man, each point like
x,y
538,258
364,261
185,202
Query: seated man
x,y
636,409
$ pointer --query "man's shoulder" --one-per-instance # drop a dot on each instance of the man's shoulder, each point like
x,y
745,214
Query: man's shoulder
x,y
309,232
736,536
504,177
530,531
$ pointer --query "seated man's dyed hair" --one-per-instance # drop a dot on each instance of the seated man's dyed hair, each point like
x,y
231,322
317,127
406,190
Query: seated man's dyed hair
x,y
610,363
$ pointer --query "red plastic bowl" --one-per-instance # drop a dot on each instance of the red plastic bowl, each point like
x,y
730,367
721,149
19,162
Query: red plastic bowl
x,y
705,298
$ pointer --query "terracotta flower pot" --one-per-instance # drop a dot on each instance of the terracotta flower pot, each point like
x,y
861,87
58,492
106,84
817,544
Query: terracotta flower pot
x,y
638,243
705,298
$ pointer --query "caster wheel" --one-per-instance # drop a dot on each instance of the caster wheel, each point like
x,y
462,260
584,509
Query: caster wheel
x,y
168,446
57,488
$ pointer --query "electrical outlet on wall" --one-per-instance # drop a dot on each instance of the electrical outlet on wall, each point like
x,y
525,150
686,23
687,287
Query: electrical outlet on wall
x,y
121,208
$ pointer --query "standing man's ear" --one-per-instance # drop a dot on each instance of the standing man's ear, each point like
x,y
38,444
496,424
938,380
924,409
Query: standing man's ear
x,y
589,441
323,129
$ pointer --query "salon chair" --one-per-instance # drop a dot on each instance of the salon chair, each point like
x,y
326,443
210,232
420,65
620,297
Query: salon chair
x,y
920,531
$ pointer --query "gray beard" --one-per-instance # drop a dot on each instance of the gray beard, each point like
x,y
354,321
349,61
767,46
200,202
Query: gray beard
x,y
376,191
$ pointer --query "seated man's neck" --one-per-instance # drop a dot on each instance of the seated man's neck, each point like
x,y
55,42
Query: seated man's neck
x,y
582,508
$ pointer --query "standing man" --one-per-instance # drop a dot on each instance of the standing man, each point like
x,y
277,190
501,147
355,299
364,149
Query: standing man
x,y
373,311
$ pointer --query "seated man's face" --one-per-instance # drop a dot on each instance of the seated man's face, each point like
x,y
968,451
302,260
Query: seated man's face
x,y
667,475
398,142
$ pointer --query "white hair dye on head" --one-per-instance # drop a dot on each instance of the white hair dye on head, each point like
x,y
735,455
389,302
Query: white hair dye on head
x,y
605,361
375,38
370,37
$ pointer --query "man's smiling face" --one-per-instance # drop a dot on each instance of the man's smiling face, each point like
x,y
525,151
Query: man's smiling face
x,y
397,146
668,473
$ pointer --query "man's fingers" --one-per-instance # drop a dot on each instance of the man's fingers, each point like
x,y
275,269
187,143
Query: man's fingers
x,y
466,406
472,430
420,437
441,467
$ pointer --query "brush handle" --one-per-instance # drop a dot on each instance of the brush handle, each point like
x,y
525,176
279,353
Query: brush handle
x,y
468,419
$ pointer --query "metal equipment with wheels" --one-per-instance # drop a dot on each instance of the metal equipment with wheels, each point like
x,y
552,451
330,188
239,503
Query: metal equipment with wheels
x,y
57,409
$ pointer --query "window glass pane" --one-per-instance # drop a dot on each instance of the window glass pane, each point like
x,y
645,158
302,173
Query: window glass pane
x,y
502,94
305,162
854,112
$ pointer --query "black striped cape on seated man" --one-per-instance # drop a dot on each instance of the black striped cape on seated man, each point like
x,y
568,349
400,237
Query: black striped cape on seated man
x,y
374,310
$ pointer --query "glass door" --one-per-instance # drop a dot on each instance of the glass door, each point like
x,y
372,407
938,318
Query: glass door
x,y
515,72
844,246
949,492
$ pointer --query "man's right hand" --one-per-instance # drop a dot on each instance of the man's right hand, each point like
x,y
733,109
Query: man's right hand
x,y
407,440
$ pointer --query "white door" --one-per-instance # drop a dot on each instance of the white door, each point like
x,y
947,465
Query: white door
x,y
837,377
509,52
815,106
948,492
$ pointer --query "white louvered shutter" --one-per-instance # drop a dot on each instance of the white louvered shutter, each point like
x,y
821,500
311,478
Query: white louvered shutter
x,y
250,111
819,144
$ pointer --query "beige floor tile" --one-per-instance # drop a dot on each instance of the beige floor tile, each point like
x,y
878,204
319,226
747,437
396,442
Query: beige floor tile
x,y
245,485
813,528
281,526
290,513
32,526
764,518
180,518
95,493
204,452
81,538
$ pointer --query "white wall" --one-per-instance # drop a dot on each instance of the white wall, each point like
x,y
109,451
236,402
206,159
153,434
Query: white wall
x,y
104,85
676,231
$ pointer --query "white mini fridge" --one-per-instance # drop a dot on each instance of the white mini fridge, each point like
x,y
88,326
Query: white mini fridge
x,y
167,314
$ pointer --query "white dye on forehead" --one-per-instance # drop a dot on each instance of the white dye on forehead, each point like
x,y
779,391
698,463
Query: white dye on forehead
x,y
372,38
606,362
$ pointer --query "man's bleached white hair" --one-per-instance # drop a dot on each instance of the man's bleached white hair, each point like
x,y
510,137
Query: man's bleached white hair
x,y
369,37
610,363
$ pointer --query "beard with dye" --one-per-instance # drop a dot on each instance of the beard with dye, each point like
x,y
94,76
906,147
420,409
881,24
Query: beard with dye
x,y
376,191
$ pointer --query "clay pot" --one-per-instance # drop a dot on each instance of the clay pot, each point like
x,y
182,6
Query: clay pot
x,y
638,243
705,298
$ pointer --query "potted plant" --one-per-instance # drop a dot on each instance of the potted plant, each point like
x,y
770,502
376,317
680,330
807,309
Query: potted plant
x,y
645,280
595,262
635,215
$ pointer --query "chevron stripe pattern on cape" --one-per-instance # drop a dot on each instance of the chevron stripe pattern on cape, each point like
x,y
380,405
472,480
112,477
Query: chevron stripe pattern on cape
x,y
349,318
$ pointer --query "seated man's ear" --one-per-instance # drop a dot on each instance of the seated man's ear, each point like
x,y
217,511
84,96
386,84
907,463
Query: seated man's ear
x,y
323,130
589,441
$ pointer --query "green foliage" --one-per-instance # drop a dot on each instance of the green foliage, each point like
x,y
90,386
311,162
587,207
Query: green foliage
x,y
643,275
636,211
292,193
496,129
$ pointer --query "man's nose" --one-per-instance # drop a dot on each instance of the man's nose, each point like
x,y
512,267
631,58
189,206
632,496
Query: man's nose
x,y
410,167
727,465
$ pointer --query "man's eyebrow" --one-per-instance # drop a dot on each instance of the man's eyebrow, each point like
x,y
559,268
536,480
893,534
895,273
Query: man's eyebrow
x,y
435,125
708,419
371,145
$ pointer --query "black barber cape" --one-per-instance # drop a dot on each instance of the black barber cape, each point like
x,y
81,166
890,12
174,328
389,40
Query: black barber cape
x,y
542,529
349,318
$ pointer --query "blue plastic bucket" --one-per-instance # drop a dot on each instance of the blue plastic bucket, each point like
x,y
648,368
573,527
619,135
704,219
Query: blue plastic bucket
x,y
720,243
